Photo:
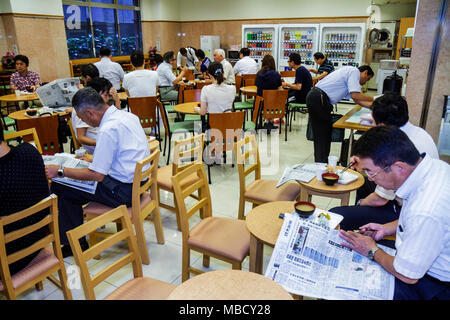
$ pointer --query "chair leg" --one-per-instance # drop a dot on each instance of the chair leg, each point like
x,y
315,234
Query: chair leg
x,y
39,286
185,263
158,225
209,173
236,266
165,144
141,242
168,154
241,208
206,260
285,128
64,285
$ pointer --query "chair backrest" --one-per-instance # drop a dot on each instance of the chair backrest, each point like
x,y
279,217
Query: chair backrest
x,y
187,152
76,145
145,109
5,85
288,73
274,105
243,150
25,135
257,109
146,169
47,130
248,79
238,83
192,95
225,128
49,219
189,75
164,116
181,89
82,257
182,190
200,85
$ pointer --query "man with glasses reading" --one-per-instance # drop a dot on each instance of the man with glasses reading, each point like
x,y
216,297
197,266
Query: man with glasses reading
x,y
422,231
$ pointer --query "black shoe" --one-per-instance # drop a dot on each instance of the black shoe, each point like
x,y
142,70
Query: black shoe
x,y
67,250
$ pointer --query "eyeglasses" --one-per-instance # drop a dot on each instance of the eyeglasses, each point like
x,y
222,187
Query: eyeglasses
x,y
372,175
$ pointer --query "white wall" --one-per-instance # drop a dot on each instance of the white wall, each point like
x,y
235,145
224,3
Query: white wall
x,y
45,7
167,10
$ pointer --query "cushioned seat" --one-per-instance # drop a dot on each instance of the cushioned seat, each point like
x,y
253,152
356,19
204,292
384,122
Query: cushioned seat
x,y
165,178
249,125
243,105
225,236
97,209
266,191
142,289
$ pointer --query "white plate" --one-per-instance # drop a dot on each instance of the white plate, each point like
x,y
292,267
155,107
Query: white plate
x,y
347,177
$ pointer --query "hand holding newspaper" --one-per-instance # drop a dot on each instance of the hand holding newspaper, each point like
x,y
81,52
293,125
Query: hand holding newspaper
x,y
68,160
309,260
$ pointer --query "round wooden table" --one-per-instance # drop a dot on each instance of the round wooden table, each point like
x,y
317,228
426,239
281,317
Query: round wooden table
x,y
186,108
249,90
229,285
21,98
338,191
21,115
264,225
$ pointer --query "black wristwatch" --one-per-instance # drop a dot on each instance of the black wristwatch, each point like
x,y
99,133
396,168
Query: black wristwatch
x,y
61,172
371,254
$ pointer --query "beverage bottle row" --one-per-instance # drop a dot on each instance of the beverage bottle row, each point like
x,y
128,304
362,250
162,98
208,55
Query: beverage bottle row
x,y
259,53
298,35
341,36
259,44
259,35
340,46
303,54
341,56
291,45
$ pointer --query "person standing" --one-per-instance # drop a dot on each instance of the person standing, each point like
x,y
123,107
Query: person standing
x,y
325,66
303,80
188,55
110,70
228,74
24,79
342,83
245,65
140,82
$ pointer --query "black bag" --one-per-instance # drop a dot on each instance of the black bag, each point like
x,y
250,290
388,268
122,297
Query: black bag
x,y
393,83
337,134
63,130
344,152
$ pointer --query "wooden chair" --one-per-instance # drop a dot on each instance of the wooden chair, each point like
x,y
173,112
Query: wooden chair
x,y
25,135
288,73
253,124
224,129
200,85
247,103
145,108
258,191
192,96
76,145
173,127
144,203
190,75
274,106
48,261
138,288
221,238
238,84
47,130
186,152
182,87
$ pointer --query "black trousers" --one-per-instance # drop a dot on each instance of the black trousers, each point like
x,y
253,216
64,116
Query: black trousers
x,y
110,192
319,109
427,288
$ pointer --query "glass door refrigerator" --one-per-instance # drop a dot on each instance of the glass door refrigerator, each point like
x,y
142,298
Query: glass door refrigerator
x,y
261,39
300,38
343,43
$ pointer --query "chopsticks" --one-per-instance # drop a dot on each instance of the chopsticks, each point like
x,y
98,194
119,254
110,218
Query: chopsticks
x,y
343,170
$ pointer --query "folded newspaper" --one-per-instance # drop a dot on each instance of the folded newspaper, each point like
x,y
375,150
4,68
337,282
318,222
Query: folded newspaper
x,y
68,160
58,93
309,260
300,172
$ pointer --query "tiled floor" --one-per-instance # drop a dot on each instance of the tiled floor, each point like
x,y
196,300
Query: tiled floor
x,y
165,260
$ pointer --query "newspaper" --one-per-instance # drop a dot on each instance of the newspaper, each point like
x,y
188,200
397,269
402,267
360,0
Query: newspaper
x,y
58,93
309,260
68,160
301,172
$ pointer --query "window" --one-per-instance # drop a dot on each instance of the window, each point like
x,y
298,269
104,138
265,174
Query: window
x,y
92,24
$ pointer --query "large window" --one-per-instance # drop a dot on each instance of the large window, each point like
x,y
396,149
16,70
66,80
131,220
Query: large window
x,y
92,24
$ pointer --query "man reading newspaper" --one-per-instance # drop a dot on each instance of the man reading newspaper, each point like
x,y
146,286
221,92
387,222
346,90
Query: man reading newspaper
x,y
121,143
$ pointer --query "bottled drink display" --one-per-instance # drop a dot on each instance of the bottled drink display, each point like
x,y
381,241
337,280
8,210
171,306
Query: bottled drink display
x,y
260,43
341,46
300,41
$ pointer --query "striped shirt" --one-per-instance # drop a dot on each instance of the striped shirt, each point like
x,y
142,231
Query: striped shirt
x,y
326,66
423,231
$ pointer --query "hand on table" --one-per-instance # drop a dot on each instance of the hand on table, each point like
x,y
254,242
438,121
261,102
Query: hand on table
x,y
357,242
51,171
374,230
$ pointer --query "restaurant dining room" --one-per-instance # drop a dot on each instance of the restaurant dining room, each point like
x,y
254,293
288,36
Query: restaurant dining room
x,y
224,151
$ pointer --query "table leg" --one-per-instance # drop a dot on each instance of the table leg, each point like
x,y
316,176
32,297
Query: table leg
x,y
345,199
350,143
256,255
304,196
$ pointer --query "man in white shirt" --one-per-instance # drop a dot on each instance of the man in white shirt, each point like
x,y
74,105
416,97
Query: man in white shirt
x,y
168,81
375,203
228,74
245,65
140,82
121,143
421,262
109,69
186,57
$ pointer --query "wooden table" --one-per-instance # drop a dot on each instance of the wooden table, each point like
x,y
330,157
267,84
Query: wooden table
x,y
21,115
264,225
353,126
123,96
249,90
21,98
229,285
186,108
339,191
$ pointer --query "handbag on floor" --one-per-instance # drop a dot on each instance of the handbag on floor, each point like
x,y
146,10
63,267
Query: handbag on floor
x,y
337,134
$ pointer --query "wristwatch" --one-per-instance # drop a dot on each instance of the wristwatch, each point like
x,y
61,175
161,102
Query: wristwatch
x,y
371,254
61,172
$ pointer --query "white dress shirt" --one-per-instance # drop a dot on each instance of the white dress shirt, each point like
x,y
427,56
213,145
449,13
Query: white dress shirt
x,y
111,71
141,83
228,72
340,83
219,98
165,73
423,232
91,132
191,58
246,65
121,142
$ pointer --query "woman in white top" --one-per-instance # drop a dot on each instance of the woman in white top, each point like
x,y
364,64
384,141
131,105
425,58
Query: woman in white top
x,y
217,97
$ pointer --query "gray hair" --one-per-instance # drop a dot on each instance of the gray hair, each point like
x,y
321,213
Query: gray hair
x,y
220,52
87,98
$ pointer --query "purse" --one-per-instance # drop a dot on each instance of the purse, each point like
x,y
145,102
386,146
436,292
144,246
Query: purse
x,y
337,134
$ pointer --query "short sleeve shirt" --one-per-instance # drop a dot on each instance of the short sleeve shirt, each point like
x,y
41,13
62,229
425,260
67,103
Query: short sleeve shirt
x,y
22,82
246,65
165,73
219,98
302,76
91,132
267,80
141,83
228,72
111,71
205,64
326,66
340,83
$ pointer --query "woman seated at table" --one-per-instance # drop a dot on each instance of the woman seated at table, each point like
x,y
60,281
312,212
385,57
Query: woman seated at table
x,y
217,97
23,79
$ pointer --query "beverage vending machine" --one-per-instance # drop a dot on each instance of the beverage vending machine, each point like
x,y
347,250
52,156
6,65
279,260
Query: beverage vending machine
x,y
300,38
261,39
343,43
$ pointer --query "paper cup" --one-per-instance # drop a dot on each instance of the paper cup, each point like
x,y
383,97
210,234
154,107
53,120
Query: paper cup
x,y
17,92
80,153
319,172
332,161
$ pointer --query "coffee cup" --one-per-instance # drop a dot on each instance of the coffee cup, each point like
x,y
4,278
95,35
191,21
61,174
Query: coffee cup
x,y
17,92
